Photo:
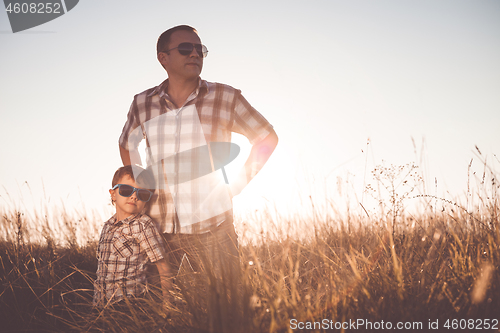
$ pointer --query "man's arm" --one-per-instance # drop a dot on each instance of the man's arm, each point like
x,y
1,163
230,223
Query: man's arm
x,y
127,155
260,153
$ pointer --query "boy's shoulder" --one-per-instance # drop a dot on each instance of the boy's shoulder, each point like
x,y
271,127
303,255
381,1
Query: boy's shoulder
x,y
144,220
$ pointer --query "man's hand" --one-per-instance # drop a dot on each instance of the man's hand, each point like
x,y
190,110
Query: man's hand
x,y
260,153
129,156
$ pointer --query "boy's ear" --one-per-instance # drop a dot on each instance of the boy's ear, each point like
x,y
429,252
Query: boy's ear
x,y
112,192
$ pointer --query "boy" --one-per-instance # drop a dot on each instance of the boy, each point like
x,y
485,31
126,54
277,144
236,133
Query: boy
x,y
128,241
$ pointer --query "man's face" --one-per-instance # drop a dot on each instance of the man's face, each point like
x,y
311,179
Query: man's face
x,y
178,65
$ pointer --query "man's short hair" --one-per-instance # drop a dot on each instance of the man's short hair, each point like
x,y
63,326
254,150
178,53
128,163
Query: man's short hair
x,y
144,177
164,38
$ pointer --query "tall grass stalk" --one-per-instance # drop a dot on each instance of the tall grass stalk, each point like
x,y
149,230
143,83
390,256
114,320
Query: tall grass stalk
x,y
410,257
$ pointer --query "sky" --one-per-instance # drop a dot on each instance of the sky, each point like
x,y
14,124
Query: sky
x,y
347,85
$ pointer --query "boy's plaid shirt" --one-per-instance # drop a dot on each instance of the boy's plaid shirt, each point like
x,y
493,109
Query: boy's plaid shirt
x,y
210,114
123,251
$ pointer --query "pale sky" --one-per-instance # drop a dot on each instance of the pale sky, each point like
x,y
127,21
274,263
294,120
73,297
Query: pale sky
x,y
328,75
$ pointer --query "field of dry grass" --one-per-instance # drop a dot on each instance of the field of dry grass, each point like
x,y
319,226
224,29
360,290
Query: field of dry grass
x,y
372,270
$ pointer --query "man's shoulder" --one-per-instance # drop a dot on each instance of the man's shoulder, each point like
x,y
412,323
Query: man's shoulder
x,y
215,86
152,90
147,92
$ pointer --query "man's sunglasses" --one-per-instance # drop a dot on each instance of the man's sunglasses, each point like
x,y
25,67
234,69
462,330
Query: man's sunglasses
x,y
187,48
127,191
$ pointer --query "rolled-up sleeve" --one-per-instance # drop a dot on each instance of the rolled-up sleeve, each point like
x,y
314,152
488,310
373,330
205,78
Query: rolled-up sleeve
x,y
151,241
248,121
132,132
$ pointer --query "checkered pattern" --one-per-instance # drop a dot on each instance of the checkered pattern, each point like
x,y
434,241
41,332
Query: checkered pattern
x,y
210,114
124,249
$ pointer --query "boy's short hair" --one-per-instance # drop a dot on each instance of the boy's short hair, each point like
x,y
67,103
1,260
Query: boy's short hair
x,y
143,177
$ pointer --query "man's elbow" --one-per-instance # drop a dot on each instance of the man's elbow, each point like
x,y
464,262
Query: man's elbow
x,y
274,138
125,155
271,141
266,147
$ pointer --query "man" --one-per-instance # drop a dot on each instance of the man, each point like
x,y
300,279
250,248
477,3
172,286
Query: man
x,y
179,118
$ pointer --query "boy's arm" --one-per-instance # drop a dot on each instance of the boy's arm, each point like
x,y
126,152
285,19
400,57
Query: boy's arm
x,y
152,244
164,271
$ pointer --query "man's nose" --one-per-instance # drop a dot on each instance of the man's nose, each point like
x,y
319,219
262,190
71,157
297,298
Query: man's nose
x,y
195,53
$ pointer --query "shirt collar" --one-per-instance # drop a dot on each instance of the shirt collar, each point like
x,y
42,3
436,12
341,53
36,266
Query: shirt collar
x,y
126,220
161,89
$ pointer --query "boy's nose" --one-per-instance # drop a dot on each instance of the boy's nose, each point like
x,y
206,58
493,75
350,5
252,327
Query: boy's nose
x,y
134,196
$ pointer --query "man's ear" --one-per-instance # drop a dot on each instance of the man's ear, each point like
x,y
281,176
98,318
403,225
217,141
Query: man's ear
x,y
161,56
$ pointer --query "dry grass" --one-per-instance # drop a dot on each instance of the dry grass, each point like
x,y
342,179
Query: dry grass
x,y
386,264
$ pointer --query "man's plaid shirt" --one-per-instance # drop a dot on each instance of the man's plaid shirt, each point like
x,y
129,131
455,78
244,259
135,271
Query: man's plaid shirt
x,y
124,249
210,114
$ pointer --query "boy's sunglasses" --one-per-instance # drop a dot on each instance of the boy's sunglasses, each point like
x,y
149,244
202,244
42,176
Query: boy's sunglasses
x,y
127,191
187,48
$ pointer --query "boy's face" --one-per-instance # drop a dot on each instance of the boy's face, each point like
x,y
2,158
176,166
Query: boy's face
x,y
126,206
